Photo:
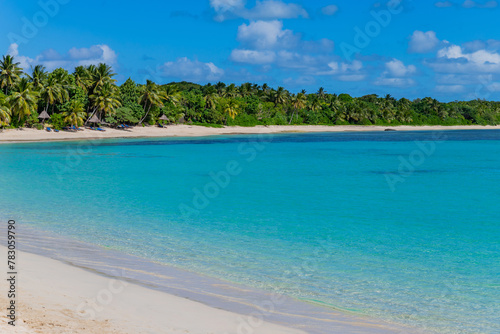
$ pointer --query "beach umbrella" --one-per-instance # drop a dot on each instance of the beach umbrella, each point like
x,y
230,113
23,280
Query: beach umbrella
x,y
163,118
94,119
44,115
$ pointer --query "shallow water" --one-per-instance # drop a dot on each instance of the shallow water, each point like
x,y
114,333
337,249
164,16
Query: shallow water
x,y
398,226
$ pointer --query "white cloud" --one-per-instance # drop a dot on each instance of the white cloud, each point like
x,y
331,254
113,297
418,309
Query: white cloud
x,y
345,71
396,68
474,4
52,59
226,5
266,35
24,62
443,4
450,88
191,70
494,87
396,74
453,59
263,10
93,55
300,81
330,10
253,57
394,82
423,42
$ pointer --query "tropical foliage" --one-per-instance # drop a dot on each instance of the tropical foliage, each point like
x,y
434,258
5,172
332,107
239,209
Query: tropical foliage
x,y
74,98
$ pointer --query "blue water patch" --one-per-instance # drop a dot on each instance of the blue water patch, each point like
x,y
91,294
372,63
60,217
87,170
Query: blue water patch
x,y
401,226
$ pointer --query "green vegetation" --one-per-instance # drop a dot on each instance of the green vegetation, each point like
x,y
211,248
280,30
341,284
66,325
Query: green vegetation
x,y
73,99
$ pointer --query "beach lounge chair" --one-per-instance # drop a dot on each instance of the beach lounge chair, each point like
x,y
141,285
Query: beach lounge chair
x,y
55,130
48,130
127,126
100,129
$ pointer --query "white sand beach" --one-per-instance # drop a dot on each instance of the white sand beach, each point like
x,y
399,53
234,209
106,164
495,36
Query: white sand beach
x,y
54,297
27,135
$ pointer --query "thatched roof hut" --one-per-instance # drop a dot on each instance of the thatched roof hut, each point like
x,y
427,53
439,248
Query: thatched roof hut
x,y
44,115
95,119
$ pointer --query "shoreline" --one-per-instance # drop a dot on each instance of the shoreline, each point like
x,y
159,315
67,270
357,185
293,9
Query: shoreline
x,y
59,298
32,135
59,289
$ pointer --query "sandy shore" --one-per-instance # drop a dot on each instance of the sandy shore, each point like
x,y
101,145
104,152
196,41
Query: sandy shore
x,y
54,297
28,135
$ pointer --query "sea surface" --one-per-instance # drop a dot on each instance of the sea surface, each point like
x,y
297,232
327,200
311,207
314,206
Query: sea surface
x,y
398,226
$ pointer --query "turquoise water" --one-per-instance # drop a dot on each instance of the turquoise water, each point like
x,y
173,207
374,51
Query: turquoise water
x,y
398,226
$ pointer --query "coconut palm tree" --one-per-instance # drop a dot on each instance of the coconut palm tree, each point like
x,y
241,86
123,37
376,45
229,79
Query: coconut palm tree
x,y
231,91
82,77
220,87
151,95
76,113
210,98
231,108
23,100
99,75
10,73
298,102
105,100
315,104
52,91
5,113
279,96
37,77
321,93
170,94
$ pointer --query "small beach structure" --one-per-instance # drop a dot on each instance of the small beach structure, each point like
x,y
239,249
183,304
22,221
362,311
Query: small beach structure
x,y
94,119
44,116
163,118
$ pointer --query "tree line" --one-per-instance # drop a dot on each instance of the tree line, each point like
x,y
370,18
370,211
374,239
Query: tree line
x,y
91,93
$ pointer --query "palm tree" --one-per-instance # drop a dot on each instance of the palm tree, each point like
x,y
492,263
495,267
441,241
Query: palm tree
x,y
37,77
231,91
82,77
170,94
23,100
105,100
151,96
321,93
5,113
279,96
76,113
220,87
52,91
10,73
298,102
315,104
210,98
231,108
99,75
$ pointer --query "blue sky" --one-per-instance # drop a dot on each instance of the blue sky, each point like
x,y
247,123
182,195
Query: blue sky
x,y
445,49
